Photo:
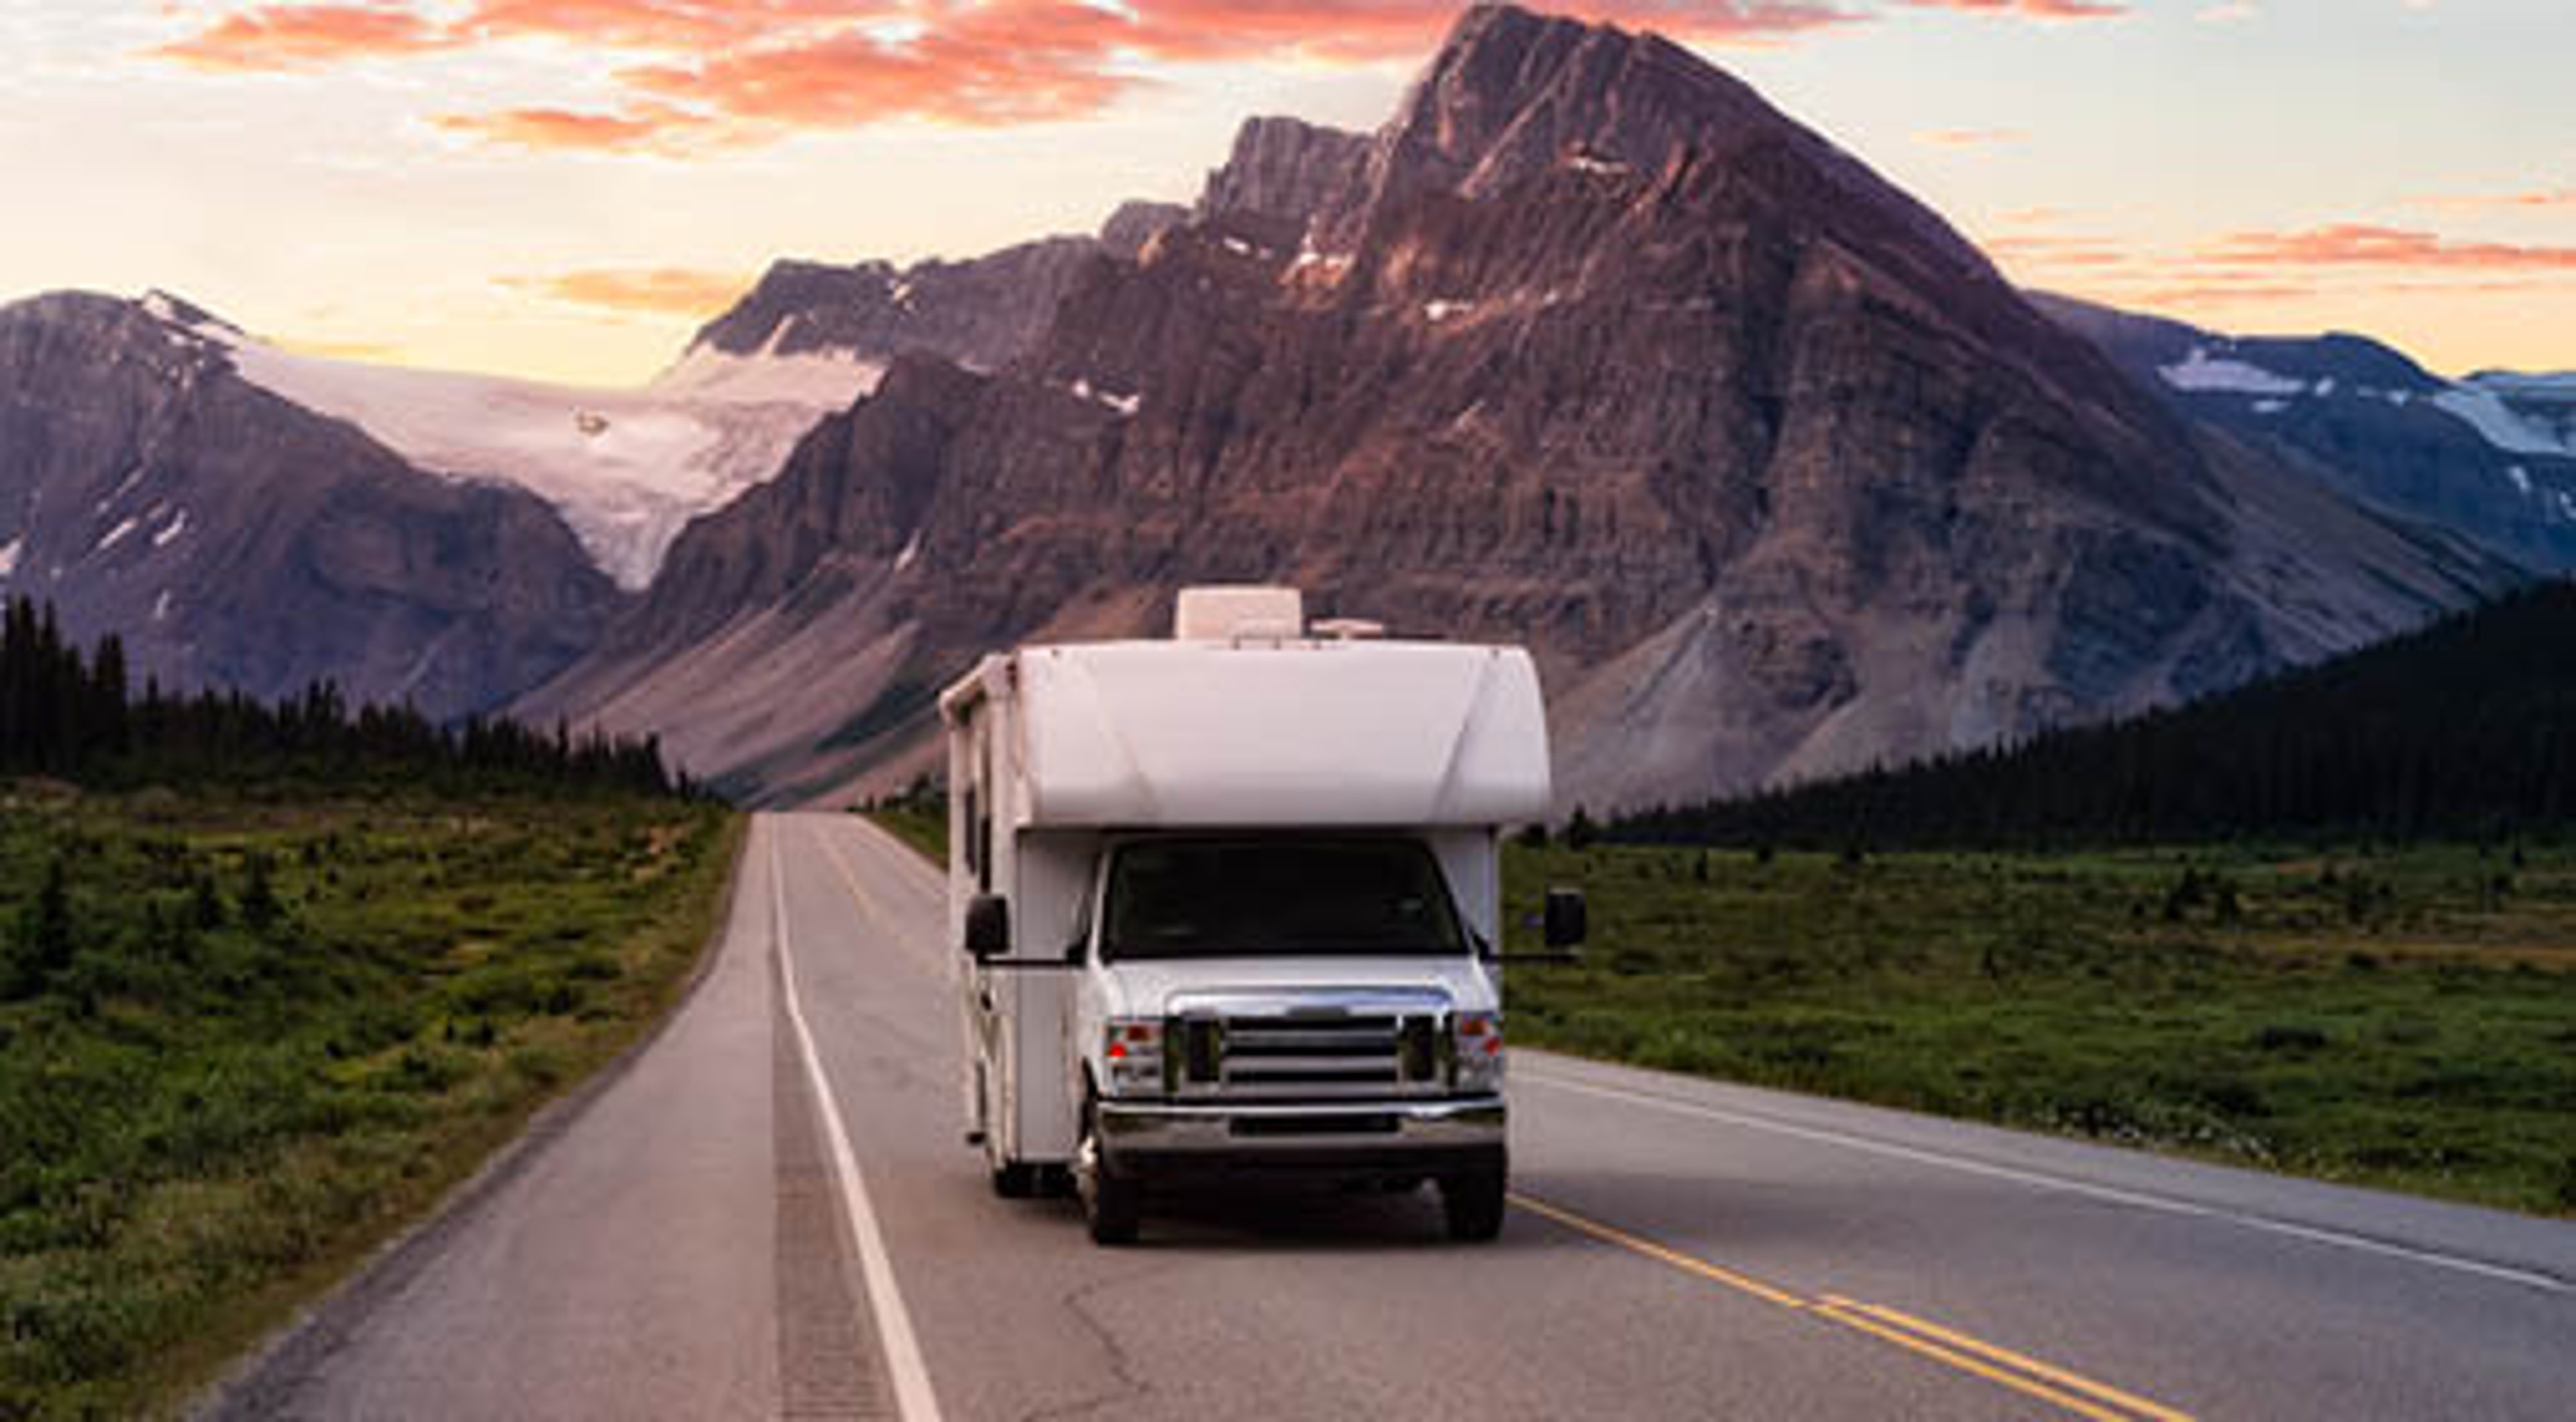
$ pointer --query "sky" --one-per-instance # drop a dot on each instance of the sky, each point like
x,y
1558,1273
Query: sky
x,y
565,189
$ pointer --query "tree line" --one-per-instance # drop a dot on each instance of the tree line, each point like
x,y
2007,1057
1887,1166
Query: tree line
x,y
2465,729
74,715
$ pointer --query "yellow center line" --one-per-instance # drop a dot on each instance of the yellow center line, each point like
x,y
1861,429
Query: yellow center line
x,y
867,905
2001,1366
1687,1264
2077,1405
2011,1359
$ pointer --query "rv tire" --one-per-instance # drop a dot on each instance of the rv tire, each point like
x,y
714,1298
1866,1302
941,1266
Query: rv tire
x,y
1113,1206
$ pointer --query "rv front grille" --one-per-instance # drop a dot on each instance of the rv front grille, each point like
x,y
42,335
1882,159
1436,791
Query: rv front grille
x,y
1307,1053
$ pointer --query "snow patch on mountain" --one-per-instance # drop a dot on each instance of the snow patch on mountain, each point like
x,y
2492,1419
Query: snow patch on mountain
x,y
2201,373
2499,423
626,468
823,380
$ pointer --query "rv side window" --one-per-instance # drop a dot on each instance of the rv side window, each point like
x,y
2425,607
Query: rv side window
x,y
1287,896
976,824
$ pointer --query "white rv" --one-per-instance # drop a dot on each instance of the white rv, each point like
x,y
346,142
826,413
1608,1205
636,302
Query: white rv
x,y
1231,905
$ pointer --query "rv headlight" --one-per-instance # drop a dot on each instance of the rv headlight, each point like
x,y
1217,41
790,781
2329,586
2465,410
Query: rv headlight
x,y
1132,1049
1477,1058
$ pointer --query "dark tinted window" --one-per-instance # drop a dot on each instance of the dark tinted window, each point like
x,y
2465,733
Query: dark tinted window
x,y
1202,898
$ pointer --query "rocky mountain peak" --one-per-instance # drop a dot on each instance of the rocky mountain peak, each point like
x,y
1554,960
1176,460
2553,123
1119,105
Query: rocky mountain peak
x,y
1512,94
1283,168
981,312
1134,224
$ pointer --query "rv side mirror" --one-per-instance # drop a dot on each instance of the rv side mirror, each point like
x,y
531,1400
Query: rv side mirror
x,y
1568,921
988,926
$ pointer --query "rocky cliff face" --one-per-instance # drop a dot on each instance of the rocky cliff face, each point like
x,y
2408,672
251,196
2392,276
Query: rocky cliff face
x,y
2492,458
1589,349
237,540
1284,169
979,313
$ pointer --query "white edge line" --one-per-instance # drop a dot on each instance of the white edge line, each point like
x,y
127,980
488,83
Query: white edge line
x,y
2165,1204
914,1400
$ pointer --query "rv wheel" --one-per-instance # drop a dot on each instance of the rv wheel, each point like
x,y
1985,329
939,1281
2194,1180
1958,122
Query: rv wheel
x,y
1473,1203
1015,1180
1112,1205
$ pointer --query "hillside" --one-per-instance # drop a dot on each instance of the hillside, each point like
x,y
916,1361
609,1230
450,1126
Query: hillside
x,y
2465,728
239,540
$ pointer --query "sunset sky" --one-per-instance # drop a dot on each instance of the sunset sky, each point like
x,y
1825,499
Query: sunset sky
x,y
564,188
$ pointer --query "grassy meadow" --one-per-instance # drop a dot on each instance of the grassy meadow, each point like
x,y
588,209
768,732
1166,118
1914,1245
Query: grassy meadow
x,y
245,1037
2402,1018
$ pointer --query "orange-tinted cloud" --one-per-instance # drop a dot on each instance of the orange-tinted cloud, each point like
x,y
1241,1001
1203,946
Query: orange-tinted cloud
x,y
2528,200
651,291
276,37
640,128
703,73
1048,61
2360,245
2199,294
2031,9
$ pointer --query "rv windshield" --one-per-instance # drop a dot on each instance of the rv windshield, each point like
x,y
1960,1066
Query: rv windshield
x,y
1207,898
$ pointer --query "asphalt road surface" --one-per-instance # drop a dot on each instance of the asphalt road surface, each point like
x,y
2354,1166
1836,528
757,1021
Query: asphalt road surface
x,y
771,1212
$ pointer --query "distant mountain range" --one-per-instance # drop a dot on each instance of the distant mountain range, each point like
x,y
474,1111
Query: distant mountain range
x,y
1588,347
2493,456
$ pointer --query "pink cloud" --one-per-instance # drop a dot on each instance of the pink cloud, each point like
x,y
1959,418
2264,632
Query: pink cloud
x,y
653,291
2527,200
2357,244
642,128
278,37
702,73
2031,9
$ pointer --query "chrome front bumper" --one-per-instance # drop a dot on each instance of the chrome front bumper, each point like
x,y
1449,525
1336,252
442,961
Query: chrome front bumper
x,y
1156,1137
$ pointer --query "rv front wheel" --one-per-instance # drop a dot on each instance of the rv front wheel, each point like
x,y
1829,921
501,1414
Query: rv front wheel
x,y
1473,1203
1111,1205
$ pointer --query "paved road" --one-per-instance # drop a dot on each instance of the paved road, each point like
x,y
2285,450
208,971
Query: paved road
x,y
771,1213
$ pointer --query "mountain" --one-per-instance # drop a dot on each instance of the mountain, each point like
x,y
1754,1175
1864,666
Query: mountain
x,y
1589,348
2466,728
982,312
149,487
2492,457
1285,169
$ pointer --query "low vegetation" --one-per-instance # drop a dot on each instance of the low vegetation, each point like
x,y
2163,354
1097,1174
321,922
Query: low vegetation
x,y
241,1042
918,816
275,978
2401,1018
